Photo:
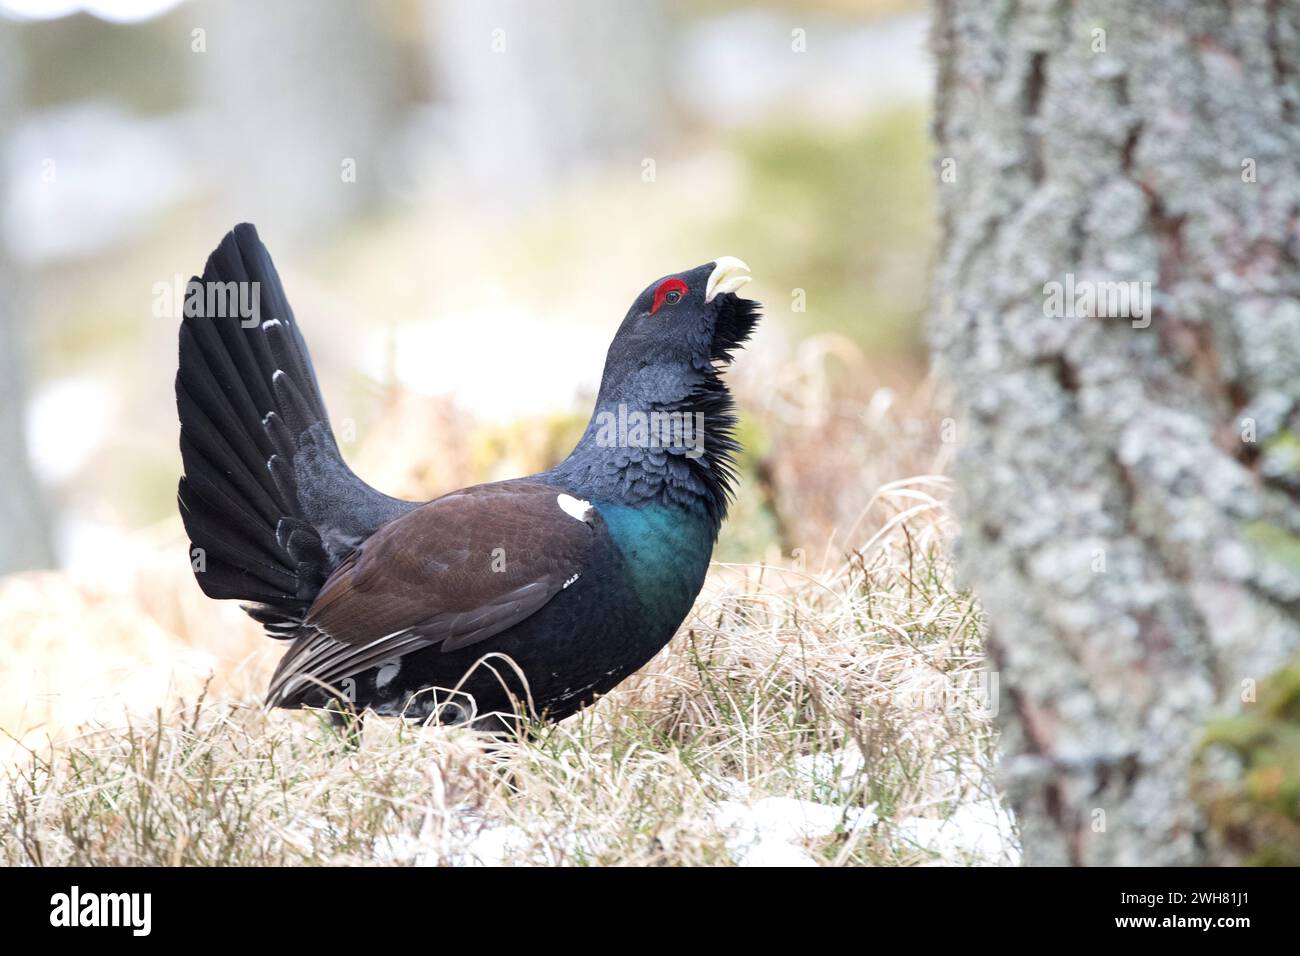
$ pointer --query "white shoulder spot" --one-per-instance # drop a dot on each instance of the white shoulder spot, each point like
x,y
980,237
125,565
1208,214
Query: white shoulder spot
x,y
573,507
386,673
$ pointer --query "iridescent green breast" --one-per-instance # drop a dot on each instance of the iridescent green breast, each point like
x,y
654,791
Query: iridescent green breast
x,y
666,550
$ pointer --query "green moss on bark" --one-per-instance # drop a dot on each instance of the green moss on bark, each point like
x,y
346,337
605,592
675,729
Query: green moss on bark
x,y
1248,774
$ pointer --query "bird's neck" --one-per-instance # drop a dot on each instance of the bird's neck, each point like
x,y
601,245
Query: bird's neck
x,y
680,456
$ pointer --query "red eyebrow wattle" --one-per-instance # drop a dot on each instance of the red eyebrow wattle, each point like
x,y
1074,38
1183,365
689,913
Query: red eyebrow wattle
x,y
668,285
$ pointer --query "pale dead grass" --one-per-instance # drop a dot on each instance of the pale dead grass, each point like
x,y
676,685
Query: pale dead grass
x,y
845,694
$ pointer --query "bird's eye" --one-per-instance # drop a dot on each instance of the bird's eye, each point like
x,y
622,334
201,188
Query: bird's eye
x,y
670,292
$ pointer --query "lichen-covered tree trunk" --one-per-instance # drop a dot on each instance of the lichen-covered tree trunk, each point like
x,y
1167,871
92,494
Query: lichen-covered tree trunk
x,y
1129,478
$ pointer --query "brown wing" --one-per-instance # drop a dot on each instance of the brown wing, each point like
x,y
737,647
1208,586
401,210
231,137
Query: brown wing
x,y
454,571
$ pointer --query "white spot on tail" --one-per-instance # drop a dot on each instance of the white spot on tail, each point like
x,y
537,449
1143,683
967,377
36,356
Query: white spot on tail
x,y
574,507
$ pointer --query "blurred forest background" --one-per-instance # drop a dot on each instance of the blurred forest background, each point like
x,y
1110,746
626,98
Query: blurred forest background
x,y
462,199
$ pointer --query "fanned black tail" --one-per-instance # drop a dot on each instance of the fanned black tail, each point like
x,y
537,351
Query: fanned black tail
x,y
267,501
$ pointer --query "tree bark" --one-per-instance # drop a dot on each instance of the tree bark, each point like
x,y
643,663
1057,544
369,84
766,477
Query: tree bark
x,y
1128,492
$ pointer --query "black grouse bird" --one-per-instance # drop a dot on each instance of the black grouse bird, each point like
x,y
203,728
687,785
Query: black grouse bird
x,y
537,594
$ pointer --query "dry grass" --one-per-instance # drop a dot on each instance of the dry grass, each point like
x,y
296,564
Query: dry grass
x,y
799,717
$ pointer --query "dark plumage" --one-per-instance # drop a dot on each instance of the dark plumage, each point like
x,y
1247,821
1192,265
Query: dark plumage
x,y
545,591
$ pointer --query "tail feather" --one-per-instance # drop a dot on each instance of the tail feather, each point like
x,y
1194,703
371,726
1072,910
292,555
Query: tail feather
x,y
230,454
268,503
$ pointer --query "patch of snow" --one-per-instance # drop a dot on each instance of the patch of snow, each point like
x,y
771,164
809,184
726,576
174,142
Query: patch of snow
x,y
472,841
494,846
775,853
834,774
977,833
769,831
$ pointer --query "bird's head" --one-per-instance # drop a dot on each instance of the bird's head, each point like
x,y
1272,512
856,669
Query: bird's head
x,y
666,357
679,330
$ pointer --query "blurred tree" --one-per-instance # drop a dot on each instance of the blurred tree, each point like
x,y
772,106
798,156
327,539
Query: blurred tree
x,y
25,542
1129,476
303,97
537,93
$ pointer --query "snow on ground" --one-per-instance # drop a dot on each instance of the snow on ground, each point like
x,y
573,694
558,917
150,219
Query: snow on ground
x,y
978,834
771,830
831,774
758,830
